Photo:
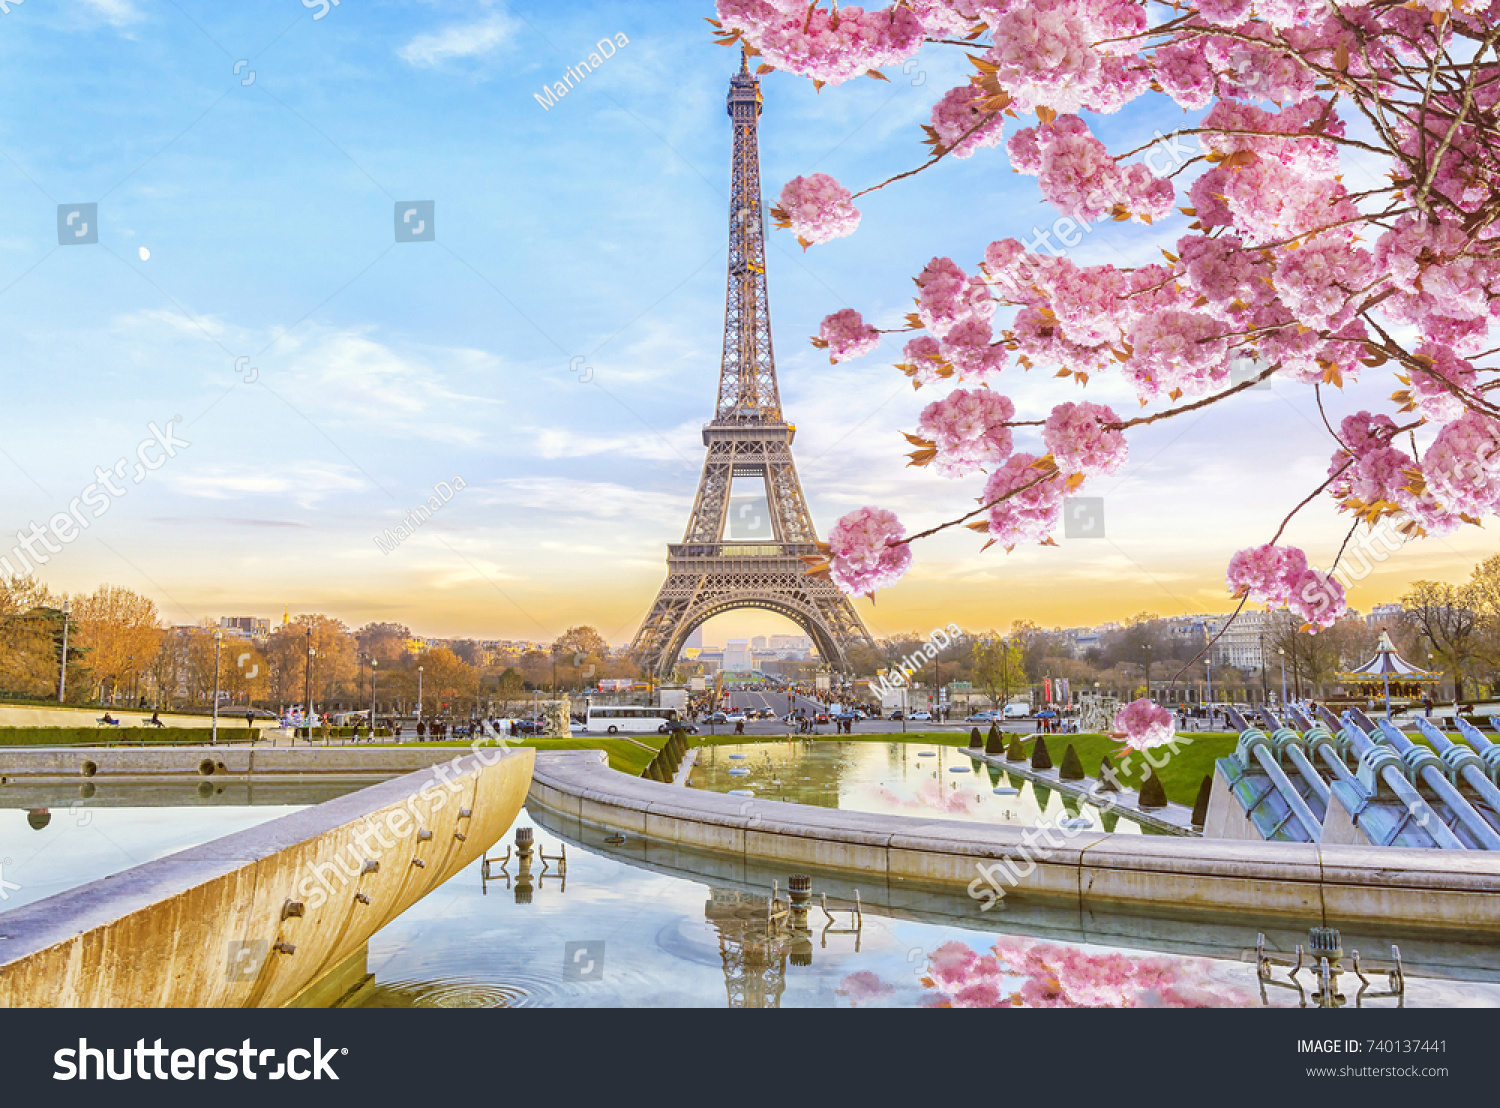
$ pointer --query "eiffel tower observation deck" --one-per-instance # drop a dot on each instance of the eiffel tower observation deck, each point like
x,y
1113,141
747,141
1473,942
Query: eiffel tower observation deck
x,y
750,525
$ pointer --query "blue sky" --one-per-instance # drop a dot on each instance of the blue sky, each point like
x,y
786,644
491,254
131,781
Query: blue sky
x,y
556,347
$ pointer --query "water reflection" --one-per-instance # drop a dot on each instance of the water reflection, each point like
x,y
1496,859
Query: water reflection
x,y
668,927
891,779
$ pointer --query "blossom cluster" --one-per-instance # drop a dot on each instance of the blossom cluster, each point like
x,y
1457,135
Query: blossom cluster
x,y
1279,577
866,555
817,209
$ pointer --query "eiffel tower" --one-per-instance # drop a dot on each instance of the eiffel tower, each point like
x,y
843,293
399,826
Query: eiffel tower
x,y
759,565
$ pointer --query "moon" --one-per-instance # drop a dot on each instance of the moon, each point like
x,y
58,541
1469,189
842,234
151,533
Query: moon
x,y
145,254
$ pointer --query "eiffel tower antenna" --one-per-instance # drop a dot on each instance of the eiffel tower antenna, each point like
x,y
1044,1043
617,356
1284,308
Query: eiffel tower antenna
x,y
743,550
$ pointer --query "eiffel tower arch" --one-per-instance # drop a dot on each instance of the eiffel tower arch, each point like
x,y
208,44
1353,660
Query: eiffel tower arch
x,y
745,551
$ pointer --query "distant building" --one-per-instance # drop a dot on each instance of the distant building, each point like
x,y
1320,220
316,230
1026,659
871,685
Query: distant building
x,y
758,643
245,627
695,640
1385,615
737,656
799,643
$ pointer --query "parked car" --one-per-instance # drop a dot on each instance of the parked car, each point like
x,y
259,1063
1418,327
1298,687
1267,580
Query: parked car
x,y
736,716
896,715
717,717
986,716
923,715
688,727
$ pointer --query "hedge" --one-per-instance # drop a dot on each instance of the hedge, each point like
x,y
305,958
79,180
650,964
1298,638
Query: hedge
x,y
123,736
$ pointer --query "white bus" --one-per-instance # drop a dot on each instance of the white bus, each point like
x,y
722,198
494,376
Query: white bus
x,y
616,718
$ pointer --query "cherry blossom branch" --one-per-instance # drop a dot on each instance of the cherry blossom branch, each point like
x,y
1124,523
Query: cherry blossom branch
x,y
1045,477
939,156
1210,644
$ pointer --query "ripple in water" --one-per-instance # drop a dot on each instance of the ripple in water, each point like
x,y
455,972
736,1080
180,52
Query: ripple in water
x,y
451,994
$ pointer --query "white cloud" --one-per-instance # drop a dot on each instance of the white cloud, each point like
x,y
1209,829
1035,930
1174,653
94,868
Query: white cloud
x,y
683,443
349,378
117,13
304,483
468,40
592,500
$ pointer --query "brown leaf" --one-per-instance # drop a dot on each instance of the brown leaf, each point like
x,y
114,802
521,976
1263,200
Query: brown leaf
x,y
981,526
879,76
922,457
762,69
1341,57
1045,114
918,440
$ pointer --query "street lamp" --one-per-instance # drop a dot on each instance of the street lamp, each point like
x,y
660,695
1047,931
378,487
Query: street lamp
x,y
419,694
62,674
307,687
373,664
218,645
1208,670
1282,651
1147,649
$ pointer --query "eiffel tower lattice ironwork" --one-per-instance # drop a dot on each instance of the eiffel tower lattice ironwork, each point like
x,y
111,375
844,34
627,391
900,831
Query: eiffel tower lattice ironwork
x,y
759,565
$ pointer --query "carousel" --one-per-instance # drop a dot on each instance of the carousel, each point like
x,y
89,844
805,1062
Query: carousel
x,y
1387,675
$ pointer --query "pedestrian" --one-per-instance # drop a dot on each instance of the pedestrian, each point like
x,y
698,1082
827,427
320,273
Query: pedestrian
x,y
421,732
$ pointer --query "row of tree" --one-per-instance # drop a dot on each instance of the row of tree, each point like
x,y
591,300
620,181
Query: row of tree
x,y
121,651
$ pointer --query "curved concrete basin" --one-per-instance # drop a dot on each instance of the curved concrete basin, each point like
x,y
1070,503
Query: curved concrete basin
x,y
1336,886
253,919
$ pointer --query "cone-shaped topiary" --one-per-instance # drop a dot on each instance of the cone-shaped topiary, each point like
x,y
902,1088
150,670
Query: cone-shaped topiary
x,y
993,743
1015,752
974,740
1108,782
1200,806
1072,768
1152,793
1042,795
1041,758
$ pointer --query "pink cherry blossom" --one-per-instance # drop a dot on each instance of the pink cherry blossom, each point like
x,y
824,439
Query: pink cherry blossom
x,y
1267,574
817,209
925,360
944,298
847,335
1031,514
969,428
1463,465
1081,442
971,350
1145,724
865,554
962,126
831,45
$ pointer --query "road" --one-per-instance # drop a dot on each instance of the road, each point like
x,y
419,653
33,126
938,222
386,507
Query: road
x,y
779,703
